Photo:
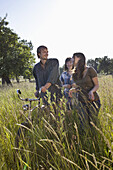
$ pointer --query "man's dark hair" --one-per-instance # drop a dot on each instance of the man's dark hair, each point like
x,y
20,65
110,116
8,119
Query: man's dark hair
x,y
39,49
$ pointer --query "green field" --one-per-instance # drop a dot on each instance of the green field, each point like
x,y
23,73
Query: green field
x,y
54,140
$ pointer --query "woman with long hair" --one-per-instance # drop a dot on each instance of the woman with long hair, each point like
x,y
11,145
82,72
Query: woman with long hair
x,y
88,101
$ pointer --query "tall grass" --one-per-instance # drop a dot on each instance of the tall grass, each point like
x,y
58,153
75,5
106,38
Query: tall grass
x,y
54,139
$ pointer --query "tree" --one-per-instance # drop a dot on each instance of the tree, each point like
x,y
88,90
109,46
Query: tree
x,y
15,54
92,63
61,69
105,65
24,60
7,42
111,67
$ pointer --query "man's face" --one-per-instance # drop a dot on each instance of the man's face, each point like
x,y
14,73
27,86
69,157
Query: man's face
x,y
43,54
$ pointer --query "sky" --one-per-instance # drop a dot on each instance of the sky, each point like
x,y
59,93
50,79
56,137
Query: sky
x,y
64,26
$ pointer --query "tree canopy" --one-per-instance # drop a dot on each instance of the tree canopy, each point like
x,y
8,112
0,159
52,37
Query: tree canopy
x,y
16,57
102,65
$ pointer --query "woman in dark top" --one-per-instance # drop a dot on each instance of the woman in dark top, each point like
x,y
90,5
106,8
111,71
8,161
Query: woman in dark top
x,y
86,87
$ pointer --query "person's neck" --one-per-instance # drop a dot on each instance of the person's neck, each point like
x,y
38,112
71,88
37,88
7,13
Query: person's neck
x,y
43,62
69,71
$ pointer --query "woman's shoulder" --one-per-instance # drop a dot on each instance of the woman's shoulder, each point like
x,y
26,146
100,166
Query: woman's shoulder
x,y
90,68
92,71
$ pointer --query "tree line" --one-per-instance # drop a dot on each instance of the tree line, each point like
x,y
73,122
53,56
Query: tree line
x,y
17,59
102,65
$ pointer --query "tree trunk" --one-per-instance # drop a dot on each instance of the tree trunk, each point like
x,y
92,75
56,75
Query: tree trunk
x,y
7,80
17,79
3,81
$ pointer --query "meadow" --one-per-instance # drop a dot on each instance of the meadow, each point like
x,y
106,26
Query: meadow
x,y
54,140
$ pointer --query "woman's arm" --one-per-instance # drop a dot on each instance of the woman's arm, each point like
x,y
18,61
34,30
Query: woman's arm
x,y
95,88
74,85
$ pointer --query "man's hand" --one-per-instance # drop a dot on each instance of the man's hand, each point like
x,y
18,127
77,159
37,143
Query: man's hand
x,y
43,89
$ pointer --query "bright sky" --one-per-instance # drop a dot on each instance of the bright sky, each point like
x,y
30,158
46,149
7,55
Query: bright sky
x,y
64,26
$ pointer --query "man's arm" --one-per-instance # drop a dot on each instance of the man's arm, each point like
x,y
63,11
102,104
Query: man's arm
x,y
54,74
44,88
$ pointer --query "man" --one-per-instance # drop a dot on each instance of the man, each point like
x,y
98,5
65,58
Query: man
x,y
46,74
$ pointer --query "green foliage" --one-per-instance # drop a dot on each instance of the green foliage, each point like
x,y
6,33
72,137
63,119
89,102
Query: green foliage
x,y
102,65
54,138
61,69
16,57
